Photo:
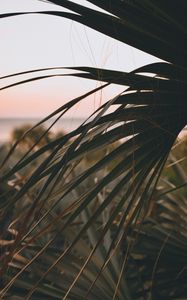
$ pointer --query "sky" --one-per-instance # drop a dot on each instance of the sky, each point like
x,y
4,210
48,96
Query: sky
x,y
40,41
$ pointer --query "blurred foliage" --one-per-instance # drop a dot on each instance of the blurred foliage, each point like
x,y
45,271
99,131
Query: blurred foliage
x,y
37,134
153,246
176,166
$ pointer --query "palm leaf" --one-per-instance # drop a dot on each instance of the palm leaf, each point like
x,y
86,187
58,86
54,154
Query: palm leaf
x,y
148,116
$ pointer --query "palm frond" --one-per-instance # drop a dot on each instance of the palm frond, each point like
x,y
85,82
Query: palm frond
x,y
115,225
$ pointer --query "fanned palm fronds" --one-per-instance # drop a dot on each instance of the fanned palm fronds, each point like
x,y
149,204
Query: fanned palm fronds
x,y
147,118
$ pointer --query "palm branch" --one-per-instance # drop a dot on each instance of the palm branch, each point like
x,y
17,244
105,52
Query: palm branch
x,y
147,118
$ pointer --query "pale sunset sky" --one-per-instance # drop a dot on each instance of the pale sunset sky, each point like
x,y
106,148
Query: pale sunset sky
x,y
39,41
